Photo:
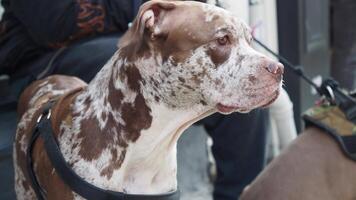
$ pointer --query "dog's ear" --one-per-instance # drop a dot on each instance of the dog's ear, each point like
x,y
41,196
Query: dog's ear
x,y
147,23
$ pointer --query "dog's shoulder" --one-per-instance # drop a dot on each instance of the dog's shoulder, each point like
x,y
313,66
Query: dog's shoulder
x,y
43,90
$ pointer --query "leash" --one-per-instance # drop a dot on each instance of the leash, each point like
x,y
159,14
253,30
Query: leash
x,y
336,99
77,184
329,88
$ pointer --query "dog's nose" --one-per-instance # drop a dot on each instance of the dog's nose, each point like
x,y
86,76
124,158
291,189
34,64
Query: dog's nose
x,y
275,68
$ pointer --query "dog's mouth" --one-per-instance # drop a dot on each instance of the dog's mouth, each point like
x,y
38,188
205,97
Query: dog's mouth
x,y
224,109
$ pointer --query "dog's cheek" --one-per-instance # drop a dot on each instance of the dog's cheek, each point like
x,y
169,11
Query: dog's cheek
x,y
219,54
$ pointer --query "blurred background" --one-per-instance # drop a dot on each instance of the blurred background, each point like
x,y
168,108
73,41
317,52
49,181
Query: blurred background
x,y
318,35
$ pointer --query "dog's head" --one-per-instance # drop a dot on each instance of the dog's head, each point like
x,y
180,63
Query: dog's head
x,y
197,53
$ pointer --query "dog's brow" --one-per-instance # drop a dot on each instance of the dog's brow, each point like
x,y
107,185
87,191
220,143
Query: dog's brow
x,y
223,30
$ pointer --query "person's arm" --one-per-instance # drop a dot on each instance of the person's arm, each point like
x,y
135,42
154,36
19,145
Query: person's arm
x,y
281,112
56,23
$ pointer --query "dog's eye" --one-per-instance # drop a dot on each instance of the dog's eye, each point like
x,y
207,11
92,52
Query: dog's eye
x,y
223,40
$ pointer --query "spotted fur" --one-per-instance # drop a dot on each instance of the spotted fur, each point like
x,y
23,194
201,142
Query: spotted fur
x,y
120,131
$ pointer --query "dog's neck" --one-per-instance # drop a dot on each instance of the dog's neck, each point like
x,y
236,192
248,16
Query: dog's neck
x,y
122,137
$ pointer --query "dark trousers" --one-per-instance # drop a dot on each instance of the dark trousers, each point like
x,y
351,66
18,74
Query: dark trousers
x,y
239,144
239,139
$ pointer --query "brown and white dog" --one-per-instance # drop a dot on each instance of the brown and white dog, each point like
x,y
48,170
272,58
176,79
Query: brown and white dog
x,y
178,63
313,167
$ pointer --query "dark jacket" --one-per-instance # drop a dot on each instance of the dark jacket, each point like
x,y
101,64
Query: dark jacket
x,y
28,29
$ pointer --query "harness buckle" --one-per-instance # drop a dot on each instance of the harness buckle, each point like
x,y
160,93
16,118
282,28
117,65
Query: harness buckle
x,y
46,114
331,94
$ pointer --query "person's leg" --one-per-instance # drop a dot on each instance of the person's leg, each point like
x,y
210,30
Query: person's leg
x,y
239,150
85,59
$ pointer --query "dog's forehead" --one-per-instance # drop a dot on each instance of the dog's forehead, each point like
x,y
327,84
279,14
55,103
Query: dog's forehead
x,y
217,19
212,12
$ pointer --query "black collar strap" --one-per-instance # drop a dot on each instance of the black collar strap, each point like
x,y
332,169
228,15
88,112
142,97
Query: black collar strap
x,y
68,176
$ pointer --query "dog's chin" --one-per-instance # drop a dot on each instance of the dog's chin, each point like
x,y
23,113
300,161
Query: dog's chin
x,y
228,109
273,98
224,109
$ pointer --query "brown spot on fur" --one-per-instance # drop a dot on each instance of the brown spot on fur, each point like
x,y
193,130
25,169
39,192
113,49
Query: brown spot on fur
x,y
115,163
103,116
200,61
219,55
157,99
174,61
133,77
204,73
165,73
252,95
152,79
240,58
156,84
26,185
252,79
181,79
197,80
86,103
90,148
122,74
74,147
189,87
203,102
137,117
105,101
115,96
179,57
217,81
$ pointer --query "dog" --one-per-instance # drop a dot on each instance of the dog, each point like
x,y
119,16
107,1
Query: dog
x,y
313,167
179,62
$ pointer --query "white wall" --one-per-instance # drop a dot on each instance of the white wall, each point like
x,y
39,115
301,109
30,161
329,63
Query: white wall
x,y
1,10
263,18
238,7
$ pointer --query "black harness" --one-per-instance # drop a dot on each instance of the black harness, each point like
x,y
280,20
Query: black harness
x,y
77,184
346,143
